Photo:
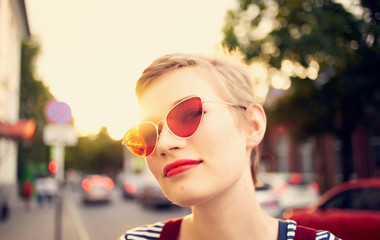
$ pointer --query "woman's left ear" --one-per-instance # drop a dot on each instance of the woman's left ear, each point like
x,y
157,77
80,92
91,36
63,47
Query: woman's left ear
x,y
257,124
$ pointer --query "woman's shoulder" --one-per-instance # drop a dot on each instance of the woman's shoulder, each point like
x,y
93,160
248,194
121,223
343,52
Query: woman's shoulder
x,y
320,234
150,231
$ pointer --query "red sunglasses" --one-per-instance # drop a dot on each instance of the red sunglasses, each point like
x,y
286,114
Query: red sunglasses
x,y
183,120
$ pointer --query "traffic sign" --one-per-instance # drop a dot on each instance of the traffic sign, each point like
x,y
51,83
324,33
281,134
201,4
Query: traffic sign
x,y
58,112
60,135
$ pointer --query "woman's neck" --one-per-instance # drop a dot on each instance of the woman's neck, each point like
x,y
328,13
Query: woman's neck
x,y
235,214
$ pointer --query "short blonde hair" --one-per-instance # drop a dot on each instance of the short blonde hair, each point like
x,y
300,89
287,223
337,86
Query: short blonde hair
x,y
230,78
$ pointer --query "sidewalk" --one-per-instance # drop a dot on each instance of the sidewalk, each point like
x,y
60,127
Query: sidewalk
x,y
39,223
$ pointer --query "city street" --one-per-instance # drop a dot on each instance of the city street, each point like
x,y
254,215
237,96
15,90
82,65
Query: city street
x,y
79,221
250,107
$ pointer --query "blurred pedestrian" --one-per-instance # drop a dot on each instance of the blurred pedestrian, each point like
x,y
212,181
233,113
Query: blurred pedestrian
x,y
41,190
4,205
51,189
27,190
200,135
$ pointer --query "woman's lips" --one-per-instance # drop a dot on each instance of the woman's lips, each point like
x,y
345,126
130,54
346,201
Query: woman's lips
x,y
180,166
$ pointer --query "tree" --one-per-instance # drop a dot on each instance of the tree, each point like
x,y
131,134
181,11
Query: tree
x,y
96,154
331,56
93,154
33,97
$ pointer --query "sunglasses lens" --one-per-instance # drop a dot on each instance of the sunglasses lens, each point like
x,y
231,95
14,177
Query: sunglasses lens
x,y
141,139
184,119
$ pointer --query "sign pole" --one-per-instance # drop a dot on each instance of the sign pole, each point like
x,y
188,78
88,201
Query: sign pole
x,y
57,154
58,134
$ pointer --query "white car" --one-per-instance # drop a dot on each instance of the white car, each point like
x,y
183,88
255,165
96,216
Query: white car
x,y
292,189
96,188
268,199
131,183
143,187
151,195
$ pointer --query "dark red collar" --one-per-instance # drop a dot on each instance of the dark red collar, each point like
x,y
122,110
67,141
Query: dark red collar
x,y
170,231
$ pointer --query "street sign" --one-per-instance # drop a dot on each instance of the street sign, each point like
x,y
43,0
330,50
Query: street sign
x,y
60,135
58,112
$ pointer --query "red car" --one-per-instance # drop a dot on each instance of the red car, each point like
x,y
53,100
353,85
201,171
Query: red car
x,y
350,210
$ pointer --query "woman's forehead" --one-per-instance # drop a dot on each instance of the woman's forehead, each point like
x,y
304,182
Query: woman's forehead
x,y
165,91
153,112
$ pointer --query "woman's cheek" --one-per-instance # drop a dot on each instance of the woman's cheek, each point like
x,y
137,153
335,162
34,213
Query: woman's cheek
x,y
151,162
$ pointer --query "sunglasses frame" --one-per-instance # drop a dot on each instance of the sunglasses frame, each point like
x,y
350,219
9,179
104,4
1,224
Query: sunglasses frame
x,y
156,125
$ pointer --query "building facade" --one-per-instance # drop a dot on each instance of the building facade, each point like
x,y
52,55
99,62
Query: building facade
x,y
13,29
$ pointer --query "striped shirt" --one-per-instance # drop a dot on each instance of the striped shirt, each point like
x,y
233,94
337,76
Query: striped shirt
x,y
148,232
291,231
153,231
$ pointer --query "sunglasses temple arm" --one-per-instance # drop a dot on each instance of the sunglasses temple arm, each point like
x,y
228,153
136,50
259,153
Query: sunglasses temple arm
x,y
231,104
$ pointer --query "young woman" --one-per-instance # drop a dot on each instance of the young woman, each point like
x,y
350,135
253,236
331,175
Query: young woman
x,y
200,132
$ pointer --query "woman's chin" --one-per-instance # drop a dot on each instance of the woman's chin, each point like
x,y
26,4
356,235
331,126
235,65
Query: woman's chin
x,y
186,201
182,202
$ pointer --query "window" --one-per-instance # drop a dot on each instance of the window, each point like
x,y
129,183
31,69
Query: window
x,y
367,199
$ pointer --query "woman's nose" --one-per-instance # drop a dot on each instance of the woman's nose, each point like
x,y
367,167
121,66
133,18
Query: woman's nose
x,y
167,141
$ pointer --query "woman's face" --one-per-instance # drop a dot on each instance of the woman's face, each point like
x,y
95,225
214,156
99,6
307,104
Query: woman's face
x,y
209,163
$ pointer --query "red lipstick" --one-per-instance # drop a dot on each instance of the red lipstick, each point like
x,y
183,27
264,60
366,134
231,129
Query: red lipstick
x,y
179,167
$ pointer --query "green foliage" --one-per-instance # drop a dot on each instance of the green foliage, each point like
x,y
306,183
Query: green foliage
x,y
346,47
92,154
317,30
33,97
96,154
320,29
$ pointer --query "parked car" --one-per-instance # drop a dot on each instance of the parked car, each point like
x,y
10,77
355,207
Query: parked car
x,y
150,194
350,210
268,199
132,182
292,189
96,188
142,187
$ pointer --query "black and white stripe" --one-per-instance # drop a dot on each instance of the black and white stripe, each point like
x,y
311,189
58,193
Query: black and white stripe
x,y
292,225
147,232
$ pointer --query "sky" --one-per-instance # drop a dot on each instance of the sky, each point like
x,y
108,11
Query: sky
x,y
93,51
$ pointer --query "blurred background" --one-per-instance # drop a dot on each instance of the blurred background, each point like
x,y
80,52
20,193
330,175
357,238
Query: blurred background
x,y
67,76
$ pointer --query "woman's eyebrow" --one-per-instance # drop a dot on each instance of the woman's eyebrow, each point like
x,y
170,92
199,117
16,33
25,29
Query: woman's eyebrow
x,y
155,119
181,99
